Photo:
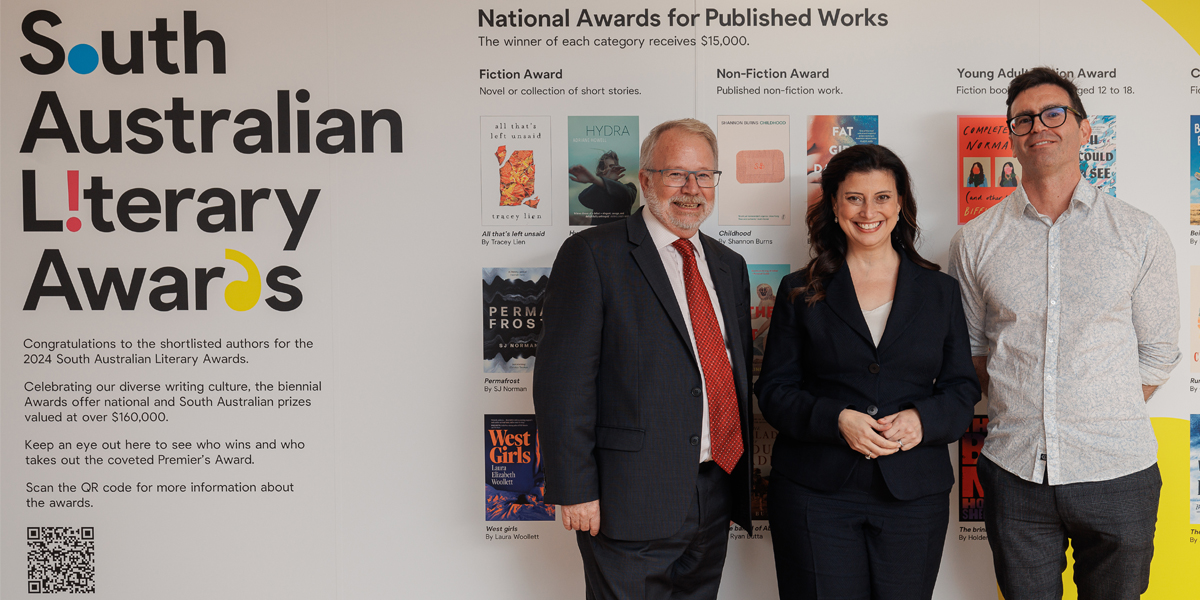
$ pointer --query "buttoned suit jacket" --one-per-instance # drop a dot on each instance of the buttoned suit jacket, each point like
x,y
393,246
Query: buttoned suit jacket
x,y
617,387
821,359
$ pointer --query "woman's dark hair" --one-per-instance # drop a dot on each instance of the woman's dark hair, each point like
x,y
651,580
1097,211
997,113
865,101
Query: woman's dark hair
x,y
826,239
976,179
1008,176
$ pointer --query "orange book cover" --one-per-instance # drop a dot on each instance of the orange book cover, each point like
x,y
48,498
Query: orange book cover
x,y
986,170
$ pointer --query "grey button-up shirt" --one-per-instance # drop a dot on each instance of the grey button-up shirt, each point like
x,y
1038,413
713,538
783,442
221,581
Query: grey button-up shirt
x,y
1075,316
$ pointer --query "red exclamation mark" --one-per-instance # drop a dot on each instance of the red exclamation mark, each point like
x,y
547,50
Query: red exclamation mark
x,y
73,223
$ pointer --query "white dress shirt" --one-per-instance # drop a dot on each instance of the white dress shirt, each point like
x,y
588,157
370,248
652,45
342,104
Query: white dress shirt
x,y
673,263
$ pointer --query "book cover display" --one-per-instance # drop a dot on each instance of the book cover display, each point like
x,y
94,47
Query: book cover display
x,y
764,280
827,134
514,480
970,492
764,442
1194,470
1193,322
512,150
512,317
755,187
602,180
986,170
1194,172
1098,155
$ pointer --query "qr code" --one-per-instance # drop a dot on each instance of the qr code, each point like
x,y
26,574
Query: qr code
x,y
61,559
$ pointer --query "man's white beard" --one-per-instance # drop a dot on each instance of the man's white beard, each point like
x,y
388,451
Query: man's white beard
x,y
658,209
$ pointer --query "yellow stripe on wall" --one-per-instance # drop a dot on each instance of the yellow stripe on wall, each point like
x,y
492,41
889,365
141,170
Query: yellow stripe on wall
x,y
1172,573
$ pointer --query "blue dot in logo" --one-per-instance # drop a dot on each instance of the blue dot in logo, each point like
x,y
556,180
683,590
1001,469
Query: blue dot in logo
x,y
83,59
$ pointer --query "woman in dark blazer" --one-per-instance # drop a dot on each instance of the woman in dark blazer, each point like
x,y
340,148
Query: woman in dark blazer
x,y
868,377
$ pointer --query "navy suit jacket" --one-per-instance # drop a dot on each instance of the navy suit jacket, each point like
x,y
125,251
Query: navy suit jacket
x,y
820,360
616,385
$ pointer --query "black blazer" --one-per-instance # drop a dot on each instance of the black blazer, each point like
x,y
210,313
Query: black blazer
x,y
820,360
616,386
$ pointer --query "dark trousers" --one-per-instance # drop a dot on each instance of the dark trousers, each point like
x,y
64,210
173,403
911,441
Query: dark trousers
x,y
1110,525
857,543
685,566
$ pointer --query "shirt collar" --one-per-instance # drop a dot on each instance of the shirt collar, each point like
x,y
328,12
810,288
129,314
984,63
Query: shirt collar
x,y
1084,193
663,237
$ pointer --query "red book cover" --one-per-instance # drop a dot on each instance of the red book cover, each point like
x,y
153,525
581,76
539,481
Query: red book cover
x,y
986,170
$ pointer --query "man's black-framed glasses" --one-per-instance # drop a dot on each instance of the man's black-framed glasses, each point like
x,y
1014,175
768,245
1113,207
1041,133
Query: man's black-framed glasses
x,y
678,177
1052,117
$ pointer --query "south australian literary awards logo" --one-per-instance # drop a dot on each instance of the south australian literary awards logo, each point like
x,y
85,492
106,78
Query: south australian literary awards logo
x,y
104,215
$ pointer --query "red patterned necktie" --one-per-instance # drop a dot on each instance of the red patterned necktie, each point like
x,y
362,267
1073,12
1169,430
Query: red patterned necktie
x,y
724,424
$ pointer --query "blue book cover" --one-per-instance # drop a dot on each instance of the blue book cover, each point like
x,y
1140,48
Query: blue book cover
x,y
514,479
1194,468
602,179
1098,156
512,317
1194,177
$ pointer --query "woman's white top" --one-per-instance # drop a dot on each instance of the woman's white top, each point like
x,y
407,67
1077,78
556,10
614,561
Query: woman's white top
x,y
876,320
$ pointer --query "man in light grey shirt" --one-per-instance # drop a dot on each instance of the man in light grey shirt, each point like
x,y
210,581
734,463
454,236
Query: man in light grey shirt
x,y
1072,304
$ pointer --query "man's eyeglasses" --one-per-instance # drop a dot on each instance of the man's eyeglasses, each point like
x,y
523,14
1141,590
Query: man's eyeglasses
x,y
1052,117
679,177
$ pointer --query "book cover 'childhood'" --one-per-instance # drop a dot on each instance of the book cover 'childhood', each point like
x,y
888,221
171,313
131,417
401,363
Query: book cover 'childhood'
x,y
986,171
515,481
756,187
764,279
828,134
602,179
512,317
514,159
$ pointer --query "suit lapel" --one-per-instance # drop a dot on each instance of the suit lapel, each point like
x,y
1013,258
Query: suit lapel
x,y
906,303
841,299
648,259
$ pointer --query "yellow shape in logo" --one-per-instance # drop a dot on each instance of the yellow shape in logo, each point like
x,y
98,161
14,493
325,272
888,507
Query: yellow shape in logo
x,y
243,295
1182,15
